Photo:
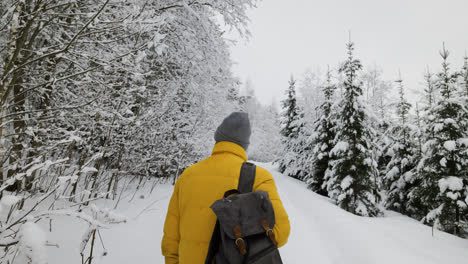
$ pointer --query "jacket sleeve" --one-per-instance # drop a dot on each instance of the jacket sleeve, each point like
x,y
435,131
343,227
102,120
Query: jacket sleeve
x,y
282,226
170,241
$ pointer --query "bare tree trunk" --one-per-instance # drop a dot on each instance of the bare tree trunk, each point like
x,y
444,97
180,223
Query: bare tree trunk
x,y
16,85
95,177
80,167
36,141
4,91
114,175
19,126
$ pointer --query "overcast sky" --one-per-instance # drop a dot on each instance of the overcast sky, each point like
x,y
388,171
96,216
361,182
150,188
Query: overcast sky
x,y
289,36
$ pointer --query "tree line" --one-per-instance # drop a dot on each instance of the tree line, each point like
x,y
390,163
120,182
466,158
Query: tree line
x,y
368,151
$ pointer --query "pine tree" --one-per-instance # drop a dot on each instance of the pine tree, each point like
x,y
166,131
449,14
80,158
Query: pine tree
x,y
291,125
324,135
383,143
350,181
443,168
429,90
291,112
299,149
399,177
383,140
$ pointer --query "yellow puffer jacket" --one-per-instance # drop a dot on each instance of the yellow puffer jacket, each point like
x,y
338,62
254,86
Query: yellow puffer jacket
x,y
190,221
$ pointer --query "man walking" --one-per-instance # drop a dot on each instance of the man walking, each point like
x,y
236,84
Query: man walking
x,y
190,221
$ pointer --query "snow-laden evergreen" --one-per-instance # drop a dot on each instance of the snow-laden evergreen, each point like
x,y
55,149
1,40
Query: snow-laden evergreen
x,y
430,89
351,178
291,125
442,189
399,173
322,141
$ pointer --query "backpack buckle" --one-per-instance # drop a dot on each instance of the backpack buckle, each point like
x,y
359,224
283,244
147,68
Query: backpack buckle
x,y
240,243
269,232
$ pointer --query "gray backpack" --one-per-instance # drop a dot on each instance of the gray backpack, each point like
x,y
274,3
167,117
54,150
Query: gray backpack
x,y
243,233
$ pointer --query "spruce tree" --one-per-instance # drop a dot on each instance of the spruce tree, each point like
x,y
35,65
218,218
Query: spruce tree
x,y
291,112
429,90
399,176
383,143
443,167
322,141
290,126
350,179
299,149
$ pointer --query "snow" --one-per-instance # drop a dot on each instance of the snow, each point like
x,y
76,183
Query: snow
x,y
461,204
443,162
429,143
369,162
404,162
324,147
88,169
341,146
320,231
450,145
433,214
408,176
463,141
346,182
451,183
392,172
9,200
452,195
450,121
362,209
438,127
32,244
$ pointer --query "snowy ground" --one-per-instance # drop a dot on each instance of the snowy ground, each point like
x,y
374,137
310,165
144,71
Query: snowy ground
x,y
321,233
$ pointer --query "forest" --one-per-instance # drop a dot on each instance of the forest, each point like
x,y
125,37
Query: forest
x,y
365,146
99,94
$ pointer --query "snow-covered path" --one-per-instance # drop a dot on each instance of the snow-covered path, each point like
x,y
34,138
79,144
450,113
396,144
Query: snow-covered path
x,y
320,233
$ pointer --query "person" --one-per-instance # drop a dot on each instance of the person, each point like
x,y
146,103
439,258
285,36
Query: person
x,y
189,221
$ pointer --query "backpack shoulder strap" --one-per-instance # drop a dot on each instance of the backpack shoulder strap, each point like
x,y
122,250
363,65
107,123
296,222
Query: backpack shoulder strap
x,y
247,177
246,182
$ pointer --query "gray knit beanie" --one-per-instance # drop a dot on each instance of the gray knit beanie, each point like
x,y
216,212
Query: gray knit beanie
x,y
236,129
